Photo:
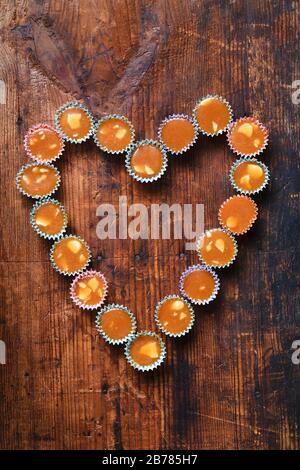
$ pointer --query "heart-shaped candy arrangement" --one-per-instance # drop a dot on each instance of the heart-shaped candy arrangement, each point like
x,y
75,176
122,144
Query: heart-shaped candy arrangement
x,y
146,161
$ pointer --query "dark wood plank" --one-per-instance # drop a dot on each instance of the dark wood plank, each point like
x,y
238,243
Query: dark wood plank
x,y
230,384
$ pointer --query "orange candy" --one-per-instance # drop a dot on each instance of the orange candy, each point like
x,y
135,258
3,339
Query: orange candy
x,y
116,323
50,218
70,255
213,115
177,133
238,214
114,134
145,351
75,123
217,248
247,136
43,143
249,176
199,284
38,180
89,289
147,161
174,316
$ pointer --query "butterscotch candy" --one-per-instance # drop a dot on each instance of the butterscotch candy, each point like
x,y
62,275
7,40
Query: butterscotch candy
x,y
212,115
217,248
38,180
145,351
200,284
177,133
116,324
89,289
70,255
238,214
49,218
114,134
43,143
174,316
249,176
247,137
146,161
75,122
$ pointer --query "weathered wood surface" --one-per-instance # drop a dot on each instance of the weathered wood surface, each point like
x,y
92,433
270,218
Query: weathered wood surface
x,y
231,383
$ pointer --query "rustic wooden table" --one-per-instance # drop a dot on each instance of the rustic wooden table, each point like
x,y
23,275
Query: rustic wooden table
x,y
231,383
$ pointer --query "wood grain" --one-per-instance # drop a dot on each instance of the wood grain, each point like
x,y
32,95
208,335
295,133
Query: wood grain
x,y
230,384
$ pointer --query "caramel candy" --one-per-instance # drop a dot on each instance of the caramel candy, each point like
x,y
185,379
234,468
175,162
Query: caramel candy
x,y
49,218
89,289
177,133
116,324
147,162
74,122
38,180
70,255
217,248
43,143
145,351
114,134
174,316
249,176
247,137
238,214
213,115
200,284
